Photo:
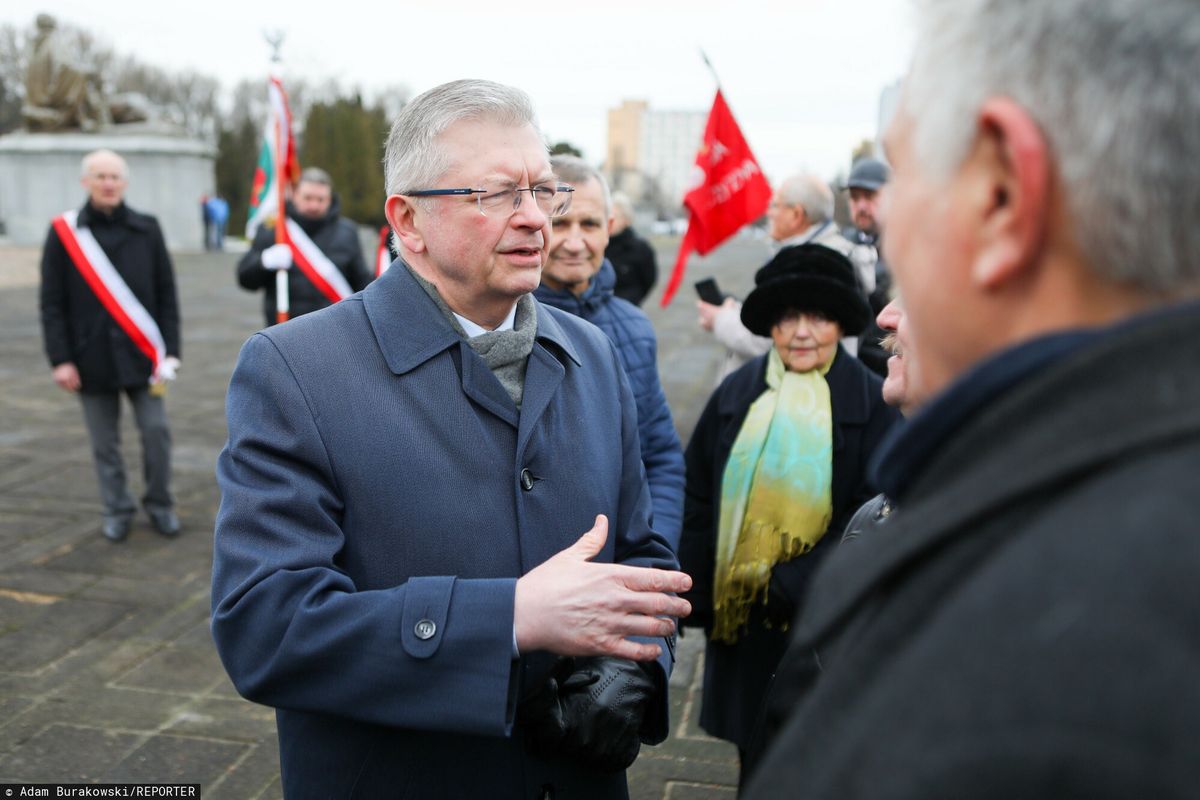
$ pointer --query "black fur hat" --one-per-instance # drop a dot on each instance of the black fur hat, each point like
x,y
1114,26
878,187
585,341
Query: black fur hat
x,y
807,277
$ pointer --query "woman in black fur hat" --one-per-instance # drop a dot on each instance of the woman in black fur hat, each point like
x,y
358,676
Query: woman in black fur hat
x,y
775,468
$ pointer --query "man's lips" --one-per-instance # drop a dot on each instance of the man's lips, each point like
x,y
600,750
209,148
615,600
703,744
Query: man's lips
x,y
522,251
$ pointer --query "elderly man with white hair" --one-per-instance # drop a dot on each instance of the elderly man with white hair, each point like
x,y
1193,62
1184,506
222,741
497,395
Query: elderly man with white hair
x,y
110,323
1026,627
801,212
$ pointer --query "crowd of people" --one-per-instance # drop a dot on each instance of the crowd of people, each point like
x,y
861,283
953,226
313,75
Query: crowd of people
x,y
933,520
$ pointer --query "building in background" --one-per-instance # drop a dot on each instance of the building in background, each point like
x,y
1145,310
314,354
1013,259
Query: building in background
x,y
651,153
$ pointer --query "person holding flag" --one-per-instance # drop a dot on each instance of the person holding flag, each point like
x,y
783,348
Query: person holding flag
x,y
319,250
110,322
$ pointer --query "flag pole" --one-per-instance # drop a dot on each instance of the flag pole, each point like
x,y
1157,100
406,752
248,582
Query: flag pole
x,y
282,306
711,69
686,245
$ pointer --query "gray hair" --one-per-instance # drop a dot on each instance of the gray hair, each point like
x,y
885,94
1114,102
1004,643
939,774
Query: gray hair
x,y
86,163
623,204
316,175
413,160
1113,86
810,193
574,170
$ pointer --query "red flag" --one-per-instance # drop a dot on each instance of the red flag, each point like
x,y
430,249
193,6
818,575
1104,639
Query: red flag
x,y
733,191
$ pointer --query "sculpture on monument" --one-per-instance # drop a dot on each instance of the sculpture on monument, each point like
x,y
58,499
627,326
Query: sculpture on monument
x,y
63,92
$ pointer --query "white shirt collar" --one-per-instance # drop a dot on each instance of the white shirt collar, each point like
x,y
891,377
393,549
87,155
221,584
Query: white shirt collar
x,y
472,330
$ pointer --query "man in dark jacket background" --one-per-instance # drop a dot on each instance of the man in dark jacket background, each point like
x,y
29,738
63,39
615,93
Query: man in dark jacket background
x,y
579,278
1027,627
632,258
95,356
868,176
316,209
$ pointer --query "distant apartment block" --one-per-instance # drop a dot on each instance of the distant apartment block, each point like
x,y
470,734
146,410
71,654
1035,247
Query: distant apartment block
x,y
651,153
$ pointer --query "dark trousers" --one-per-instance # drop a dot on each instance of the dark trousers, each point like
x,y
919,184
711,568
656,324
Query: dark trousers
x,y
102,413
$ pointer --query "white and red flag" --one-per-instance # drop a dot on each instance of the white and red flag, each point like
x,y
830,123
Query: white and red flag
x,y
730,190
277,165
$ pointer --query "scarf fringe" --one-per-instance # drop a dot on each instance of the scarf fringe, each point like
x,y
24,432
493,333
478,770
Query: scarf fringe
x,y
746,582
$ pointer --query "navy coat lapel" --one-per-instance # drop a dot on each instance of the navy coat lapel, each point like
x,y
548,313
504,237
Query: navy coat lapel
x,y
544,373
409,328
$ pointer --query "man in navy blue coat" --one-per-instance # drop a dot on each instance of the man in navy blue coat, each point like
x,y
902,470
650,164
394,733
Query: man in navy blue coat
x,y
579,279
398,563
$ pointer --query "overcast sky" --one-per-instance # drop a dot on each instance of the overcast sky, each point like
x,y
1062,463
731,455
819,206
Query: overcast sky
x,y
803,77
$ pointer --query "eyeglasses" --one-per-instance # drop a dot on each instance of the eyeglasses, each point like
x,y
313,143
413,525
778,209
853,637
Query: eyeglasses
x,y
502,202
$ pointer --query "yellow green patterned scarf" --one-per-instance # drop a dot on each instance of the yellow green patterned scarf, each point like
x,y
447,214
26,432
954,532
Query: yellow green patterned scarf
x,y
775,492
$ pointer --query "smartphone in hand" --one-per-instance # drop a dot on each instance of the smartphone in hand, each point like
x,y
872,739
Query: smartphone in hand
x,y
709,293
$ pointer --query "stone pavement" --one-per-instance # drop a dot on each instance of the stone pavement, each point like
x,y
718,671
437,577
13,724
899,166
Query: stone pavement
x,y
107,670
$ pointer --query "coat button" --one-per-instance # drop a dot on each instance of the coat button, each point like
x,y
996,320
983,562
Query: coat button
x,y
526,480
425,629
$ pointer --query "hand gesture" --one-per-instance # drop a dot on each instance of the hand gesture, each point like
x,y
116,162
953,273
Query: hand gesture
x,y
574,607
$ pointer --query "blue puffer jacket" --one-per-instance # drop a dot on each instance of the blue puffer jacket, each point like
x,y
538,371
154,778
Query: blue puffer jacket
x,y
632,333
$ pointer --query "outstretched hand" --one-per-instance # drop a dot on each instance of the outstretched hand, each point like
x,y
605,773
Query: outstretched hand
x,y
572,606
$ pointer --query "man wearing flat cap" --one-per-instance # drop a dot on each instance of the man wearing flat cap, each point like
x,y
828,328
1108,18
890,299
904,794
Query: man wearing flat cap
x,y
865,193
775,468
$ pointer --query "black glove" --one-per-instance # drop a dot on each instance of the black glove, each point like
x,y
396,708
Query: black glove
x,y
589,710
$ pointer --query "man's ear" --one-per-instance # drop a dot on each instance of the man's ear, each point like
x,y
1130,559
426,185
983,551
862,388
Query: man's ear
x,y
612,223
400,212
1012,166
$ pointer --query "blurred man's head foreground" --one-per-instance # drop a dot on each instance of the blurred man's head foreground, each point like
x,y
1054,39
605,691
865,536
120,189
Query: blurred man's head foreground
x,y
1042,180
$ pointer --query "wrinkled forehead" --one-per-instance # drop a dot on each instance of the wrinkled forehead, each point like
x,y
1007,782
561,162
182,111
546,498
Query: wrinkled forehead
x,y
485,150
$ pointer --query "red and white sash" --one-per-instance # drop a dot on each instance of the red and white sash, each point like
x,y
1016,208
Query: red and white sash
x,y
316,266
110,288
383,256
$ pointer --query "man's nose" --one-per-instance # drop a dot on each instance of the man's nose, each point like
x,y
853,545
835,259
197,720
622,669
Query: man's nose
x,y
529,215
573,240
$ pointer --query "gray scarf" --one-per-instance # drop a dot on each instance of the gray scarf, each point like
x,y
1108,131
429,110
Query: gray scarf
x,y
505,352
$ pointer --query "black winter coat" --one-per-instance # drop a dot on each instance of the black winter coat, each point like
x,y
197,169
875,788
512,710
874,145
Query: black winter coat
x,y
635,263
75,325
736,675
336,237
1027,627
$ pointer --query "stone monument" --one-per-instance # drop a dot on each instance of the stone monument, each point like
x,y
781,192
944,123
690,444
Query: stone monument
x,y
67,114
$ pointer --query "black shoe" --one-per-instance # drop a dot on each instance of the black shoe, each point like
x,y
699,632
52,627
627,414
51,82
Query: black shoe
x,y
115,530
164,520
